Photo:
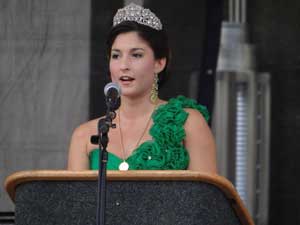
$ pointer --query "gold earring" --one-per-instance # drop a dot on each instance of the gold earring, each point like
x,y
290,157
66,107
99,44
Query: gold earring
x,y
154,90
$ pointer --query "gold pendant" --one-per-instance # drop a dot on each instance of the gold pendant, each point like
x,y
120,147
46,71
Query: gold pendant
x,y
123,166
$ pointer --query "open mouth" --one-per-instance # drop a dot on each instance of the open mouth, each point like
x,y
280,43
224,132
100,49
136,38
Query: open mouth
x,y
126,78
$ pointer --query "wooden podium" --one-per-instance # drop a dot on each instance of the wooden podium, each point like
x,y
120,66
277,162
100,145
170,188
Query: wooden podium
x,y
133,197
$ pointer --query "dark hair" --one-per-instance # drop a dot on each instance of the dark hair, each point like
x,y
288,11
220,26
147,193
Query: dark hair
x,y
157,40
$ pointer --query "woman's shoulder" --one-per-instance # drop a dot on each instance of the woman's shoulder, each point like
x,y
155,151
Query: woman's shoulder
x,y
86,129
191,106
179,111
195,118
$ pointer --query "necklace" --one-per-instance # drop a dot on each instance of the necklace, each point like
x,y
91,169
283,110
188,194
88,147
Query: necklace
x,y
124,165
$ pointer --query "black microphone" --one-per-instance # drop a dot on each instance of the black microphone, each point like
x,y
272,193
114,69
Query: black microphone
x,y
112,92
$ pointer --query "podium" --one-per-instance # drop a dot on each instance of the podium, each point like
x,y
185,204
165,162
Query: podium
x,y
133,197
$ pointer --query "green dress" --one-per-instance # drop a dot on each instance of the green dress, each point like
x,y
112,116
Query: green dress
x,y
166,150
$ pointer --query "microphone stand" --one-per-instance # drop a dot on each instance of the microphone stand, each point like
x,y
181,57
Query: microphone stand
x,y
102,139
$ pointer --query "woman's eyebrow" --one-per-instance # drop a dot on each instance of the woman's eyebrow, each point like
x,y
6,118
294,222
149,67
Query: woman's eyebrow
x,y
135,49
132,50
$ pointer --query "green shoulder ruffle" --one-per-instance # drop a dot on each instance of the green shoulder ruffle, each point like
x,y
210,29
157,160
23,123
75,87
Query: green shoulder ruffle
x,y
166,151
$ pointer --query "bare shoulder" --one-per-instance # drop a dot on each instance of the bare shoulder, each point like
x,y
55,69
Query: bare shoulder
x,y
200,143
194,118
86,129
82,134
196,125
78,155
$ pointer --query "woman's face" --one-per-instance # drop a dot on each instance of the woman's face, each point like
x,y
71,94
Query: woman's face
x,y
133,65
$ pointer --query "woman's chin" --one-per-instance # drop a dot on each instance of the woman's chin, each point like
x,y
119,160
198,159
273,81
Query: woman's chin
x,y
133,94
126,84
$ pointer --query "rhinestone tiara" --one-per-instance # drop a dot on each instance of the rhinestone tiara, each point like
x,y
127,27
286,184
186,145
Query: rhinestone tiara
x,y
138,14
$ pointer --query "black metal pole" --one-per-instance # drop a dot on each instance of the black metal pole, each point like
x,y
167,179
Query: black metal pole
x,y
103,128
102,165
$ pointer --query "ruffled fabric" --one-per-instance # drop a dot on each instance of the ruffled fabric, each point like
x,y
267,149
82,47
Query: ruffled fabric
x,y
166,150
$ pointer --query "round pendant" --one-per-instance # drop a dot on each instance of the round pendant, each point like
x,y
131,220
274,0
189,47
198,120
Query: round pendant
x,y
123,166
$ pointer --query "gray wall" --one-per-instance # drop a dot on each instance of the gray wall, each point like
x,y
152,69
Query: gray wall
x,y
44,82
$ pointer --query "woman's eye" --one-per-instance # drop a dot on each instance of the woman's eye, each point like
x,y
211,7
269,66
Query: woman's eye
x,y
114,56
137,55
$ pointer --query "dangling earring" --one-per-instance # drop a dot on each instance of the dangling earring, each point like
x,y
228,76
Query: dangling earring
x,y
154,90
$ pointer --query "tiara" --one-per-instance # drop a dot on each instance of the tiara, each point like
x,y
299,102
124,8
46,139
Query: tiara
x,y
138,14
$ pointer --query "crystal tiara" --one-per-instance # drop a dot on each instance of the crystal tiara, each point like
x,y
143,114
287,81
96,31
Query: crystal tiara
x,y
136,13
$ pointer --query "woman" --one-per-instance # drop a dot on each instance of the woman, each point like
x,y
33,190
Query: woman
x,y
151,133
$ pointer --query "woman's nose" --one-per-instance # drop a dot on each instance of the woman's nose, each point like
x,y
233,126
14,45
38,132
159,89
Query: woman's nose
x,y
125,63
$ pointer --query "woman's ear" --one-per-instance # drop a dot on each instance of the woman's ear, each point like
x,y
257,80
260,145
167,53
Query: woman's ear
x,y
160,64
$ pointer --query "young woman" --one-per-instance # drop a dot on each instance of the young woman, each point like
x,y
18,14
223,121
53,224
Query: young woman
x,y
151,134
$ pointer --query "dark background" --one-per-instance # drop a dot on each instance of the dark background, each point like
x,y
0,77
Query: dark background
x,y
275,30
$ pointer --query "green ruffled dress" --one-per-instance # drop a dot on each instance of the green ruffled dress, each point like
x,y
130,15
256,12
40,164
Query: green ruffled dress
x,y
166,150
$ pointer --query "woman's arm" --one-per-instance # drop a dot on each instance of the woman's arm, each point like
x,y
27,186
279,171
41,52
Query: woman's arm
x,y
200,143
78,157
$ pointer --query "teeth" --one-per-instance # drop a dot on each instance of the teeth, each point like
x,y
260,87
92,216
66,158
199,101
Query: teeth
x,y
126,78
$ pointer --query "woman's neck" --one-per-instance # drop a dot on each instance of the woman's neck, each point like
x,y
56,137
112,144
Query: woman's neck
x,y
134,108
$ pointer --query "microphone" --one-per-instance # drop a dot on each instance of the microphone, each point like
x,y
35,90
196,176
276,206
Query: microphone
x,y
112,92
